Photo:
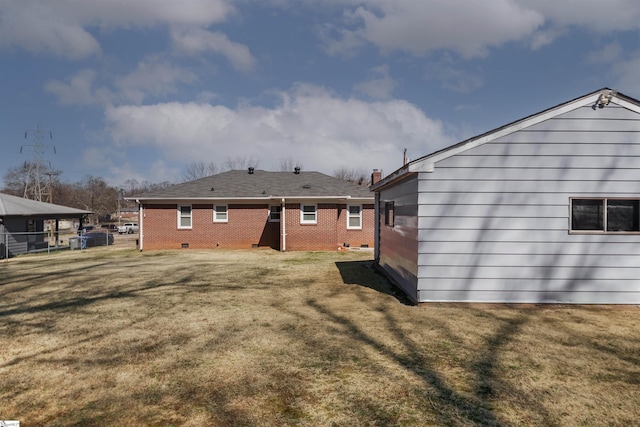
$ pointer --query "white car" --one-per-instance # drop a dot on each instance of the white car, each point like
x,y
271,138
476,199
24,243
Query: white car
x,y
128,228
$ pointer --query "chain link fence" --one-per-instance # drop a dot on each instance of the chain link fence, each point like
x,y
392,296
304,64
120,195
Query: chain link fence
x,y
16,243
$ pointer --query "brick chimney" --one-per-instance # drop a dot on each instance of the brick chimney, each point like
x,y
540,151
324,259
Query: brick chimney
x,y
376,176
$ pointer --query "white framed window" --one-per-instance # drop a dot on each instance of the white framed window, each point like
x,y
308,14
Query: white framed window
x,y
220,213
184,216
354,217
274,213
308,214
605,215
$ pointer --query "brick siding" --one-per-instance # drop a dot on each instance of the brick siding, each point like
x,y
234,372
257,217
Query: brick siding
x,y
248,227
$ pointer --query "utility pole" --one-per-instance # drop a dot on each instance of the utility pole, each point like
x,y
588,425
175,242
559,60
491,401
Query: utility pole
x,y
34,186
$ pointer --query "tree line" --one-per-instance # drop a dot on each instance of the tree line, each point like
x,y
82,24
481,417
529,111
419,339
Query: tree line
x,y
39,182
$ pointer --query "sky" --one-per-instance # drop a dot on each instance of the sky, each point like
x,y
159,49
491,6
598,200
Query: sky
x,y
140,89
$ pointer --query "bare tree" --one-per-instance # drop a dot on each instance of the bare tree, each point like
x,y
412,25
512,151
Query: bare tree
x,y
358,176
19,181
197,170
240,162
288,164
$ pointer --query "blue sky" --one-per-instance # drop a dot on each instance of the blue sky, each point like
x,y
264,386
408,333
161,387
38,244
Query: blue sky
x,y
140,89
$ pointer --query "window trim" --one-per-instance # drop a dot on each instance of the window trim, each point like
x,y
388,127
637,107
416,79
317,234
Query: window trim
x,y
271,211
359,216
302,212
604,218
180,216
215,214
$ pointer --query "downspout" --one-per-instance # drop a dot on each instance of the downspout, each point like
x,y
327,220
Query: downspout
x,y
283,226
140,228
376,227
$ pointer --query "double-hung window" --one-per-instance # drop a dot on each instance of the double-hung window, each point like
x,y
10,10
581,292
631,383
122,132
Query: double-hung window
x,y
354,217
605,215
220,213
184,216
308,214
274,213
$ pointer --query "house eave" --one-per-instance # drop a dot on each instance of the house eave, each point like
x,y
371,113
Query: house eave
x,y
428,163
265,199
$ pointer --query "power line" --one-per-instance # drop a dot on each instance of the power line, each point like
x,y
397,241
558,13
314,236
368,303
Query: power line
x,y
35,185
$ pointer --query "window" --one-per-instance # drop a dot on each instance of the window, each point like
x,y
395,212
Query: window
x,y
274,213
388,214
605,215
308,214
220,213
184,216
354,217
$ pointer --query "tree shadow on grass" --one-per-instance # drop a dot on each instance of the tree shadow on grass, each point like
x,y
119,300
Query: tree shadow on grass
x,y
364,273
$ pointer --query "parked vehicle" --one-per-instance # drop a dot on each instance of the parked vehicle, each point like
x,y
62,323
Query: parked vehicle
x,y
92,238
85,229
110,227
128,228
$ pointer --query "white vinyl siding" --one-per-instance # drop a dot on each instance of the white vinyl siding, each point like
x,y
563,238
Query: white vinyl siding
x,y
184,216
308,214
354,217
494,222
220,213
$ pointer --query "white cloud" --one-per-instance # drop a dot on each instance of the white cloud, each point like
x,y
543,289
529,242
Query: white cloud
x,y
194,41
38,28
79,90
596,15
607,54
453,76
152,76
421,26
60,27
543,38
469,28
379,85
309,125
625,73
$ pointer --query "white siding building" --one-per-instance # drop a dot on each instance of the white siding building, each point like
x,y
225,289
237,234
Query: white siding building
x,y
543,210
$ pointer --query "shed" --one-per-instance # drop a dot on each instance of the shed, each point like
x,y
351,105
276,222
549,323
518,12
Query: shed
x,y
543,210
22,224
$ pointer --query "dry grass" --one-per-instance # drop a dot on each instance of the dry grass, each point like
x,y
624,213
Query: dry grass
x,y
263,338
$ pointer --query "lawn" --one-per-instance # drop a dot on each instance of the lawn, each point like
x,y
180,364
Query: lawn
x,y
243,338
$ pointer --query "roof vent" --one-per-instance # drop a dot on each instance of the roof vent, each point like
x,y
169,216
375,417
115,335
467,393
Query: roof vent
x,y
212,188
307,186
251,171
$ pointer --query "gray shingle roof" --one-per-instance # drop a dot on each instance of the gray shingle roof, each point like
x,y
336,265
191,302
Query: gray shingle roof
x,y
260,184
17,206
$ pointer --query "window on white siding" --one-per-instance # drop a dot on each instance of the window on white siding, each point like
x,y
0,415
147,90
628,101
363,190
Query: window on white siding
x,y
354,217
220,213
274,213
605,215
389,214
184,216
308,214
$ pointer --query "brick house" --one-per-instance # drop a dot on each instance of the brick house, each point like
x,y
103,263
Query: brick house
x,y
287,211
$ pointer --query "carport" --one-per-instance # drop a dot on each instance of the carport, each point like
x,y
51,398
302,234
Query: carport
x,y
22,224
